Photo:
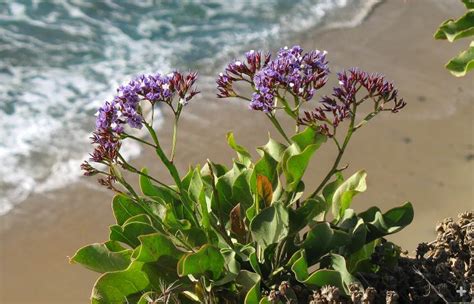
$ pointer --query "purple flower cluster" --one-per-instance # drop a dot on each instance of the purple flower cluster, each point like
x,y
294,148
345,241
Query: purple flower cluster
x,y
240,71
335,109
298,73
125,109
377,87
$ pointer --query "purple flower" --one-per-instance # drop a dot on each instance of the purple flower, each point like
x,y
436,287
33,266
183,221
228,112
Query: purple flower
x,y
333,110
124,110
292,71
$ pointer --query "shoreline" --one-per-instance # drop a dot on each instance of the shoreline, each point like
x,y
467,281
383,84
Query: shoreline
x,y
428,154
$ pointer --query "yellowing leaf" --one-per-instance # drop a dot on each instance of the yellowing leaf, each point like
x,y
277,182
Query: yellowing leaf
x,y
265,189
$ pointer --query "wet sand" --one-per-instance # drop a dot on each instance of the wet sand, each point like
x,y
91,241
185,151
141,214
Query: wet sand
x,y
425,154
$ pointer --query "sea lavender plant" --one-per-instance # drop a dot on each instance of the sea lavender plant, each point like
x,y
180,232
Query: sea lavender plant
x,y
249,233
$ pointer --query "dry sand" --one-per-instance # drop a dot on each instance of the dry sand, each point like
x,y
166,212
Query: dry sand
x,y
424,154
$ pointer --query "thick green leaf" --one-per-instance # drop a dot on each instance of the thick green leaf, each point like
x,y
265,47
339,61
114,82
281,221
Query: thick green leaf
x,y
175,221
392,221
153,247
130,232
247,280
468,3
338,277
308,137
125,208
360,260
223,202
456,29
197,193
206,261
109,256
462,63
151,190
186,180
270,226
266,166
149,297
254,294
115,287
321,239
241,191
231,265
297,156
309,210
318,278
342,197
330,189
243,154
274,149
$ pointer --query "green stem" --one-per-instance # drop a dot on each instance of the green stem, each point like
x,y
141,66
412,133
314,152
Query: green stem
x,y
175,135
278,127
334,169
173,172
159,151
125,135
131,168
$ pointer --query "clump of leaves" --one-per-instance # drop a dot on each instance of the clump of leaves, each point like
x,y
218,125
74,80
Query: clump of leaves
x,y
453,30
230,234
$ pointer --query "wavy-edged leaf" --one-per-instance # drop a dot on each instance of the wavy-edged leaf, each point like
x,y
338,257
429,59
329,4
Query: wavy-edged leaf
x,y
115,287
151,190
105,257
270,226
149,297
321,239
206,261
392,221
241,191
297,156
359,261
456,29
153,247
309,210
274,149
231,265
246,280
266,166
462,63
197,193
125,208
129,232
343,195
244,156
338,276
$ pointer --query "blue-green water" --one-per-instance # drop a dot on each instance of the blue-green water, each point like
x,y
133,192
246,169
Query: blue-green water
x,y
59,60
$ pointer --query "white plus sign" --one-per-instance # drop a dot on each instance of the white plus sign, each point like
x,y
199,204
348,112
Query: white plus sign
x,y
461,291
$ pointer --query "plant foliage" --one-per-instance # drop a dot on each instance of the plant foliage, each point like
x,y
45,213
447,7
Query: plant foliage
x,y
453,30
228,234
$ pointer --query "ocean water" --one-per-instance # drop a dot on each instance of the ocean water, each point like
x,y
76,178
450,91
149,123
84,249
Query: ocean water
x,y
60,60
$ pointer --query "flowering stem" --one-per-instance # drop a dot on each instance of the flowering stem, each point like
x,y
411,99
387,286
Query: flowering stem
x,y
175,135
129,167
173,172
159,151
125,135
278,126
342,148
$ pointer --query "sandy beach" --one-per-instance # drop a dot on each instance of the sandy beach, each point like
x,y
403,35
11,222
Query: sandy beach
x,y
424,154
